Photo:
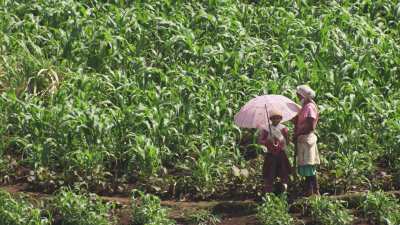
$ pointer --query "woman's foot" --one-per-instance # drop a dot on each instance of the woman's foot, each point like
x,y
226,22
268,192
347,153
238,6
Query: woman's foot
x,y
284,187
311,186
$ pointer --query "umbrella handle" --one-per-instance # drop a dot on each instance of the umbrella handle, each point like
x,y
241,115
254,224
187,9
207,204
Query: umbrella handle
x,y
295,161
267,114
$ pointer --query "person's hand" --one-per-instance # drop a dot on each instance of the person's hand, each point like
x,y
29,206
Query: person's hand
x,y
265,150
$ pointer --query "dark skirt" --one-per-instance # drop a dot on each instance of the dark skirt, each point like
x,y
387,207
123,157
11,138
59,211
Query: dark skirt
x,y
276,165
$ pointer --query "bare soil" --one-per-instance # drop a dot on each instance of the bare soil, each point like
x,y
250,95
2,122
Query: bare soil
x,y
240,212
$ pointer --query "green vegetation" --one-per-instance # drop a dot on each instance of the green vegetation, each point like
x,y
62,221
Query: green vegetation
x,y
77,209
328,212
381,208
204,217
274,211
114,92
19,212
147,210
107,94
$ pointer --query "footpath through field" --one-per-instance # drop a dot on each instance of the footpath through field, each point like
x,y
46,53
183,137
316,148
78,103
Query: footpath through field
x,y
241,212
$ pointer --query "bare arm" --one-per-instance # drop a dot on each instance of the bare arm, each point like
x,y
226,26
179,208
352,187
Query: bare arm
x,y
285,133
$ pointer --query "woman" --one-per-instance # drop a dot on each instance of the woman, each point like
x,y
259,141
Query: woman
x,y
305,139
276,163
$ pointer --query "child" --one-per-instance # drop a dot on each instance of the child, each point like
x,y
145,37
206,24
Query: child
x,y
276,163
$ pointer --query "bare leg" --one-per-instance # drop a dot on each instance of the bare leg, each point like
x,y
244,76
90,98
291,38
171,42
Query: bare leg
x,y
308,186
315,185
268,186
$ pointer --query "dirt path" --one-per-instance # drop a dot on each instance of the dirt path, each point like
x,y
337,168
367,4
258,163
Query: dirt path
x,y
231,212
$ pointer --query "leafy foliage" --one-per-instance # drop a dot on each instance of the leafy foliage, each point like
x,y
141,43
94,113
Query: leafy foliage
x,y
78,209
204,217
146,210
274,211
19,212
381,208
328,212
114,91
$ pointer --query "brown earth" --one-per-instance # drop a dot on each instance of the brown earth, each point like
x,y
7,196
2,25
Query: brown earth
x,y
231,212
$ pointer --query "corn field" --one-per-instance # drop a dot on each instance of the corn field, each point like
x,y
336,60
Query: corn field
x,y
108,94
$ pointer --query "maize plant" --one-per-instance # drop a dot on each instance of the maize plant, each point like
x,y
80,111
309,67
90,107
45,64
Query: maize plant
x,y
328,212
274,210
73,208
19,211
120,91
381,208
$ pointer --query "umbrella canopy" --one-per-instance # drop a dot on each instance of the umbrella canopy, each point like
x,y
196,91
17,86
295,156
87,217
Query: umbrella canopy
x,y
253,113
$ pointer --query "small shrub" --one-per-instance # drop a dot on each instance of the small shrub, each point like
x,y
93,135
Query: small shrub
x,y
381,208
352,170
274,211
19,212
328,212
76,209
204,217
147,210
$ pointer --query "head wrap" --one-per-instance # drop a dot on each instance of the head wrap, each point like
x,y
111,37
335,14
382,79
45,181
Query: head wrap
x,y
274,113
306,92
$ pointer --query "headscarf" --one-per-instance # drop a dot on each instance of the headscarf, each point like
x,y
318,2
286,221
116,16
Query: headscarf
x,y
306,92
275,112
